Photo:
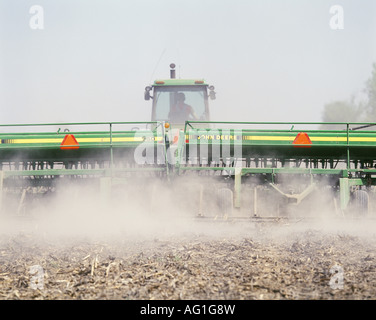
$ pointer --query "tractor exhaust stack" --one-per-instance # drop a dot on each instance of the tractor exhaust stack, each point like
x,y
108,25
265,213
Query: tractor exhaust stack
x,y
172,71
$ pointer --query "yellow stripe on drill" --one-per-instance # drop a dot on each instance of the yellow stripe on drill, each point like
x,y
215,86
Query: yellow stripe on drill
x,y
79,140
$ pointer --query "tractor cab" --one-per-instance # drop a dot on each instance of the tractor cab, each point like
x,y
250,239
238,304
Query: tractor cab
x,y
178,100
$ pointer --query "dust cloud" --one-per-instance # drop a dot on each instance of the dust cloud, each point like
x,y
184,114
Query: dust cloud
x,y
135,210
156,209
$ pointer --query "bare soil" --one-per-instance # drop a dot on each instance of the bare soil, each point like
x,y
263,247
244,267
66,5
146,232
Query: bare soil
x,y
209,261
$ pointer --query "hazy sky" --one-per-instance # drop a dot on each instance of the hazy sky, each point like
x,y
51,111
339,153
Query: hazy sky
x,y
269,60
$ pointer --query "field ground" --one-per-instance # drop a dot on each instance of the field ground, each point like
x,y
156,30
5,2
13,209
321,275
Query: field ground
x,y
195,260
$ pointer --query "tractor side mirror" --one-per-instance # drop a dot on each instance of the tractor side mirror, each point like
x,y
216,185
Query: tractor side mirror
x,y
147,95
212,93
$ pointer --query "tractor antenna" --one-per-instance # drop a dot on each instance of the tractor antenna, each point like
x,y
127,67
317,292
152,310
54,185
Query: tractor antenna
x,y
156,66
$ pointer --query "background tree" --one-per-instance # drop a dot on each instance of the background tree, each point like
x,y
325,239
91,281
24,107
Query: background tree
x,y
342,111
352,111
371,96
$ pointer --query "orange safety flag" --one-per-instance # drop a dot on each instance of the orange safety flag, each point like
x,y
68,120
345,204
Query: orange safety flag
x,y
303,140
69,142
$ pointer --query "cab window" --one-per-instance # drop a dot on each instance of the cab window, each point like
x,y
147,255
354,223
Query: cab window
x,y
166,98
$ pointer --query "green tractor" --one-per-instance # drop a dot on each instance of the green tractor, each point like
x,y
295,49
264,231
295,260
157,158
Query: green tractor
x,y
215,169
178,100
